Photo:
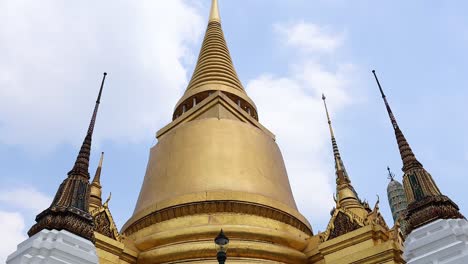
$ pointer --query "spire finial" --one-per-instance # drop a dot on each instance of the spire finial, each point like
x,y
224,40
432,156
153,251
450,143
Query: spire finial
x,y
387,105
214,13
98,101
378,83
336,151
95,193
97,175
391,176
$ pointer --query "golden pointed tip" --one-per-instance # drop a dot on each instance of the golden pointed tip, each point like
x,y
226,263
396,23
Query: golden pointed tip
x,y
102,158
214,13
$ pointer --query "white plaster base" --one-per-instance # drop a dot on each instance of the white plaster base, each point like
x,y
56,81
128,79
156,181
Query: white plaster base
x,y
54,247
439,242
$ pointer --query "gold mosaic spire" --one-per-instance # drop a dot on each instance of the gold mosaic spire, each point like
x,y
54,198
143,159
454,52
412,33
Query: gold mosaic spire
x,y
214,64
346,195
425,201
69,209
214,71
95,197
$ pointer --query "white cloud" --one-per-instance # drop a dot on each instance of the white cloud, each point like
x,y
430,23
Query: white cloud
x,y
291,106
53,55
309,37
21,203
12,230
25,198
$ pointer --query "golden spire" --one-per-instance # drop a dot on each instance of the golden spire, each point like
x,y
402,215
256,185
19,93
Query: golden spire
x,y
346,195
214,70
70,208
214,64
97,175
425,201
214,13
95,194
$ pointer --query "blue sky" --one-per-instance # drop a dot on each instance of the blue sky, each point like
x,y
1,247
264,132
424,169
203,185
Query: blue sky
x,y
286,53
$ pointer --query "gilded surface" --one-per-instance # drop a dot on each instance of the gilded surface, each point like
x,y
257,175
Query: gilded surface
x,y
214,68
217,154
342,224
215,166
104,222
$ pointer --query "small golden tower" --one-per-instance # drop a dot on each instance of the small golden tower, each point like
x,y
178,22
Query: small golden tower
x,y
95,193
108,241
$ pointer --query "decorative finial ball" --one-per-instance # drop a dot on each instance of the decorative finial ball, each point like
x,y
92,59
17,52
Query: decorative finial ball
x,y
373,71
105,73
323,97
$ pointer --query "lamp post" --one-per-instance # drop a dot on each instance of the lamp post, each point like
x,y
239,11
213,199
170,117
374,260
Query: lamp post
x,y
221,242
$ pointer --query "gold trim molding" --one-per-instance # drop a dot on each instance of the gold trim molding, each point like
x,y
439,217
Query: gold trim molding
x,y
219,206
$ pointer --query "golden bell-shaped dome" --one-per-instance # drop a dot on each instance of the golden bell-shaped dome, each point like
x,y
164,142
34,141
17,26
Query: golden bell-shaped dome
x,y
215,166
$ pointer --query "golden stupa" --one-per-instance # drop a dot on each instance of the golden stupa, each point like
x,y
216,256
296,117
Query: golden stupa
x,y
216,167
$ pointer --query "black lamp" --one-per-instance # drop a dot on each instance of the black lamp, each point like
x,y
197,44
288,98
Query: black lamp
x,y
221,242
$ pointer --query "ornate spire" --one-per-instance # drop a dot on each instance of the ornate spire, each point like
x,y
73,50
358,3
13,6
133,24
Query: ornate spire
x,y
214,64
69,209
214,71
81,165
95,197
425,201
346,195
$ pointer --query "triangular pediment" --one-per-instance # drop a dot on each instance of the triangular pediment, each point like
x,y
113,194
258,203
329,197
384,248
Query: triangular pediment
x,y
217,105
104,223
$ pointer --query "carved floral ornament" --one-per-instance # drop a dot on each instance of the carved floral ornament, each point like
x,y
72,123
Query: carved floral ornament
x,y
344,221
104,223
